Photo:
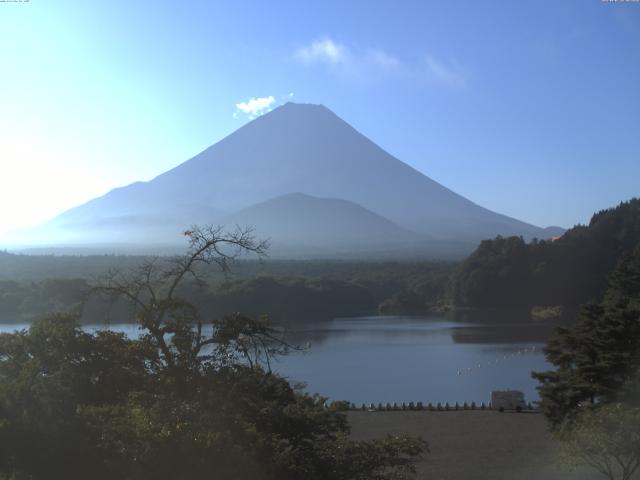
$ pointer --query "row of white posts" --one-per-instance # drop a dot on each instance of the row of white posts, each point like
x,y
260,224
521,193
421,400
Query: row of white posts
x,y
438,407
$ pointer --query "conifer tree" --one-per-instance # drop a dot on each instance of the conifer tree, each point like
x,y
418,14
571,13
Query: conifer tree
x,y
598,358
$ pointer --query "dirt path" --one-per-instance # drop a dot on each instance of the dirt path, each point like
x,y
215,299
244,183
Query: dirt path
x,y
474,445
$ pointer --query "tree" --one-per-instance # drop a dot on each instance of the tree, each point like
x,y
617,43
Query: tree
x,y
153,290
187,400
598,358
605,438
46,374
569,271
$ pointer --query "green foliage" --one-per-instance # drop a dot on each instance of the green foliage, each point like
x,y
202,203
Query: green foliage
x,y
606,438
291,298
598,359
492,275
508,272
287,291
26,301
422,291
45,375
187,400
80,405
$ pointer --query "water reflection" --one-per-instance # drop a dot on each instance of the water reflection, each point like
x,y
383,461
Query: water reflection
x,y
402,359
536,333
429,359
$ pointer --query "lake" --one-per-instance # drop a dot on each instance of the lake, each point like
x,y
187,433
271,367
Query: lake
x,y
403,359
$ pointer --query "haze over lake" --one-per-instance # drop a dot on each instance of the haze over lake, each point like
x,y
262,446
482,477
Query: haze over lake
x,y
403,359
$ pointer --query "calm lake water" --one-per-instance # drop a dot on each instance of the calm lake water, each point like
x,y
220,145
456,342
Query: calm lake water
x,y
403,359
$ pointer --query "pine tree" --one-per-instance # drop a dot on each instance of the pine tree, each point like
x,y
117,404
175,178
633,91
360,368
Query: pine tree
x,y
598,358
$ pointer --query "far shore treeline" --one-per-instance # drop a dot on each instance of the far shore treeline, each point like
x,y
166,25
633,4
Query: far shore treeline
x,y
543,275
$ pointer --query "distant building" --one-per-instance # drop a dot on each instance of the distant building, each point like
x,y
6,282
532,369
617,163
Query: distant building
x,y
507,399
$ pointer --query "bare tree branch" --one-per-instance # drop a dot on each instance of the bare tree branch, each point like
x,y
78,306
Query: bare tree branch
x,y
174,324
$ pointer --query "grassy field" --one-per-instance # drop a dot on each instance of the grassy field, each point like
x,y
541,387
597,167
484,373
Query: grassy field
x,y
474,445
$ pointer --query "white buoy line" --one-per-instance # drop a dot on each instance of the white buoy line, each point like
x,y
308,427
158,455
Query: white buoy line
x,y
498,360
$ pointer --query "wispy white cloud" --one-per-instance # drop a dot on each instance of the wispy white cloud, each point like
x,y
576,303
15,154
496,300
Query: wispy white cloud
x,y
255,107
382,59
446,74
363,64
324,50
349,62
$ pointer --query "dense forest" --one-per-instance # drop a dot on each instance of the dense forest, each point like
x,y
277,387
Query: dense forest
x,y
31,286
598,357
591,397
567,271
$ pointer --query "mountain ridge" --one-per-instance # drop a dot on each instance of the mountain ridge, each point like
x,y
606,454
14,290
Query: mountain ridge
x,y
295,148
322,225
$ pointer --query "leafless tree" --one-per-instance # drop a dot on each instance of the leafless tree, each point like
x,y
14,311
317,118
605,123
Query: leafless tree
x,y
173,324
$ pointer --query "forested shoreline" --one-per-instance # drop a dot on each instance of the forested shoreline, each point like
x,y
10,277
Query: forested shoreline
x,y
567,271
31,286
541,277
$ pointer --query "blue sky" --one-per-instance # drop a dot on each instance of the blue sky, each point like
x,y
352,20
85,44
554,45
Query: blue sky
x,y
530,108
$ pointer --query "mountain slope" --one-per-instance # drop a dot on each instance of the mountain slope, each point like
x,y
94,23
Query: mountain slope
x,y
322,225
295,148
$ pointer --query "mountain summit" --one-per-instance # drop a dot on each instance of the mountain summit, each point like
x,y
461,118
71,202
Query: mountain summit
x,y
295,148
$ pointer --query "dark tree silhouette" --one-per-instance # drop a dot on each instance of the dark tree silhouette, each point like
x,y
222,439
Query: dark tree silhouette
x,y
182,401
598,359
153,291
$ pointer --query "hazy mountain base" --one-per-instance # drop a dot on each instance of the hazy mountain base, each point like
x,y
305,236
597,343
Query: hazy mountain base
x,y
412,251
